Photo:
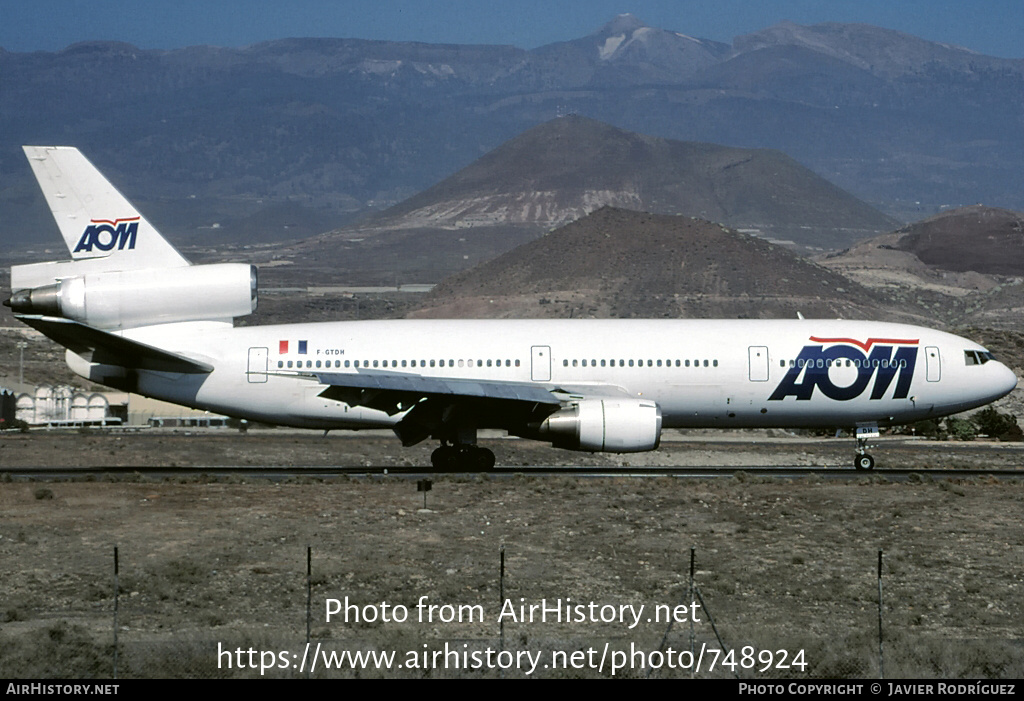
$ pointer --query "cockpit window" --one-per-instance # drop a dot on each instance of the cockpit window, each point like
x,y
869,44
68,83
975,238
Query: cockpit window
x,y
972,357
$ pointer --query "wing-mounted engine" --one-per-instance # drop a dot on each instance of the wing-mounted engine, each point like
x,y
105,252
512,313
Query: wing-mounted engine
x,y
133,298
603,425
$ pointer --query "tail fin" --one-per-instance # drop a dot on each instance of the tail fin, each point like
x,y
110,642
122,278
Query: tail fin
x,y
98,224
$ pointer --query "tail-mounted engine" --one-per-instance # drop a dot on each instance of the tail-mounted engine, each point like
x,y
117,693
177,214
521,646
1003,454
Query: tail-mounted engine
x,y
603,425
132,298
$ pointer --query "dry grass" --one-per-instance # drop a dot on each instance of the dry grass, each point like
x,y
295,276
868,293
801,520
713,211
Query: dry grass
x,y
781,565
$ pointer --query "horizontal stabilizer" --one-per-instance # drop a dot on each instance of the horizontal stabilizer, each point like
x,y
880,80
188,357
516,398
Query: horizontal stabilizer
x,y
98,346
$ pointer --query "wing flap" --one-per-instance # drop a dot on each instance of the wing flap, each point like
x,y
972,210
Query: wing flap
x,y
101,347
395,392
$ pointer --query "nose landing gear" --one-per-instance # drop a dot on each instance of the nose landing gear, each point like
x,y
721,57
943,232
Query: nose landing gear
x,y
863,461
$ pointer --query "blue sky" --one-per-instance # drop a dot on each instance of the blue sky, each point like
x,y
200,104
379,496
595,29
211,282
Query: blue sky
x,y
994,27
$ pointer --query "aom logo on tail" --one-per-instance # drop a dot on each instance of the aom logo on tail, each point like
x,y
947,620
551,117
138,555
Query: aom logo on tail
x,y
104,234
842,368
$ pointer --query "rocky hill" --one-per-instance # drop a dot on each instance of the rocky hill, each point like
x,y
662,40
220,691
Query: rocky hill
x,y
967,264
568,167
980,239
620,263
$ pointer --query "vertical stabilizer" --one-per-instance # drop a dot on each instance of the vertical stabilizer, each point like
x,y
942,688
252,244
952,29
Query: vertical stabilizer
x,y
98,224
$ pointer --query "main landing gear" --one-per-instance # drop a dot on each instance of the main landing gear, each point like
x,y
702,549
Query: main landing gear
x,y
462,457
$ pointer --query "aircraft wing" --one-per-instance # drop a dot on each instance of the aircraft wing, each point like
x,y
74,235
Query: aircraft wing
x,y
396,392
101,347
431,403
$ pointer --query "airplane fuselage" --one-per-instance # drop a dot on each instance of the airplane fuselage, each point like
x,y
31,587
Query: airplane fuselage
x,y
701,373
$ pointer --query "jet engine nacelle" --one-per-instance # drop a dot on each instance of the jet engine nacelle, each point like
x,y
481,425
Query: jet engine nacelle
x,y
605,425
132,298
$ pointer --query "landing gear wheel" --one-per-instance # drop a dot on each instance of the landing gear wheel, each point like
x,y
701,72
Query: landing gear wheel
x,y
484,459
458,458
864,462
445,458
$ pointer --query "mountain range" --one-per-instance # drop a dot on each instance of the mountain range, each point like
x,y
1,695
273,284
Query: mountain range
x,y
329,129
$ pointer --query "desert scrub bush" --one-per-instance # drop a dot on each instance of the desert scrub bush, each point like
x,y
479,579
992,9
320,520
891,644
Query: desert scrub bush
x,y
961,429
992,422
57,651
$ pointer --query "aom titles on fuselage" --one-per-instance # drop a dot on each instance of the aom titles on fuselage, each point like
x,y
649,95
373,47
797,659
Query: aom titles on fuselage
x,y
135,315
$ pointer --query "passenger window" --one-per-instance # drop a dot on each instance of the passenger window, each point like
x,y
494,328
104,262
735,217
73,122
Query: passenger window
x,y
630,362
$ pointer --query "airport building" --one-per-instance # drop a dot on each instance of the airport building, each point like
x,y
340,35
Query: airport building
x,y
62,406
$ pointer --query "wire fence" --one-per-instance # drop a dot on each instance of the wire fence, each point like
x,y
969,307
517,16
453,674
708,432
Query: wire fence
x,y
179,618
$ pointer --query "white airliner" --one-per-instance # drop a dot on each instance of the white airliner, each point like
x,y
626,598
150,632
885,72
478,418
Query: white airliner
x,y
135,315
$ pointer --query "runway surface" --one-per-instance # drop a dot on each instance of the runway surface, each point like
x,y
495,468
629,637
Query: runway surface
x,y
277,473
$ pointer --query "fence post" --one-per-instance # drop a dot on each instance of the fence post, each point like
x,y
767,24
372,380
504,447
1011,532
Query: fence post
x,y
117,591
309,589
881,659
693,555
309,598
501,598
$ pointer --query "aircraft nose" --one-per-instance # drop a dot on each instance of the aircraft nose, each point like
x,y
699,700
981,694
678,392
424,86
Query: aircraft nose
x,y
1006,380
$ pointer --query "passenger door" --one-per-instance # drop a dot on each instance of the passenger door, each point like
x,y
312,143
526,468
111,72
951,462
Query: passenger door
x,y
540,363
